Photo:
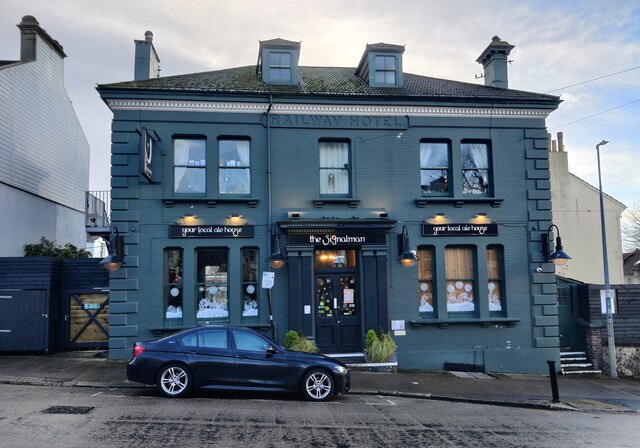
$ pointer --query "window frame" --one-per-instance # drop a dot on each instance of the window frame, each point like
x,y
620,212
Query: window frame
x,y
231,168
446,168
489,170
169,283
453,281
385,70
203,287
500,278
245,283
280,68
186,166
347,167
428,280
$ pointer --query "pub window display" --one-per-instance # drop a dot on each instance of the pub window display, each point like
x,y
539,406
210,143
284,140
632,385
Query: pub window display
x,y
425,280
460,283
249,282
173,285
494,278
212,285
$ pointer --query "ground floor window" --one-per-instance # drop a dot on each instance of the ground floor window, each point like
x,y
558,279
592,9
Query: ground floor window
x,y
173,285
425,280
494,279
460,279
249,282
212,285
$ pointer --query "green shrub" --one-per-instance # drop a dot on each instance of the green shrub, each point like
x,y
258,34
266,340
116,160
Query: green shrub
x,y
295,341
47,248
290,338
379,346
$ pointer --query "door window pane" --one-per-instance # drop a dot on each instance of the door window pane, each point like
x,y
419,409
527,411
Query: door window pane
x,y
460,276
234,167
494,278
348,295
173,285
189,161
425,280
434,167
334,168
475,168
335,259
249,282
212,285
324,296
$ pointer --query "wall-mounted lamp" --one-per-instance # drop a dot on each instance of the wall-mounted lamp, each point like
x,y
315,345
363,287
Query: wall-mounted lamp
x,y
407,257
294,215
113,261
559,256
188,218
383,214
236,219
276,259
481,217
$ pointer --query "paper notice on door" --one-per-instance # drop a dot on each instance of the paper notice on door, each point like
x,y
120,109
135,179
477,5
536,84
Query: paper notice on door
x,y
347,296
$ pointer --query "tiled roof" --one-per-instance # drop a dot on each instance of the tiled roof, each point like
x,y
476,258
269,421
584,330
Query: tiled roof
x,y
327,81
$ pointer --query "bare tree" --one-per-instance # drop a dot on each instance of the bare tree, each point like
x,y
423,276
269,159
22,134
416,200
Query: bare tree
x,y
631,228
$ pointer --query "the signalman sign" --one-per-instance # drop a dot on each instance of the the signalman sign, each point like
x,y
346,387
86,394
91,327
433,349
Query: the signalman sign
x,y
333,239
210,231
460,229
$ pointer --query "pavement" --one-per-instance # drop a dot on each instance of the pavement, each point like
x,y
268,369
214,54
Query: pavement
x,y
588,393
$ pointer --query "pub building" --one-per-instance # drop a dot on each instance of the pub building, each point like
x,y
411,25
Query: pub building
x,y
331,201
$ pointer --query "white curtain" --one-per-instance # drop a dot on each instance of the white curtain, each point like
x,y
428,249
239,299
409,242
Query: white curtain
x,y
479,155
334,168
180,160
242,146
426,153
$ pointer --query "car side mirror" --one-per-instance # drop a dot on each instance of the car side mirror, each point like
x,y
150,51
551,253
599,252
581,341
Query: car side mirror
x,y
271,350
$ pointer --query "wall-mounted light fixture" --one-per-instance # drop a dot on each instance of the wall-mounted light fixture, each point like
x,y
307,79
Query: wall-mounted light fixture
x,y
189,218
383,214
236,219
407,257
113,261
481,217
558,256
276,259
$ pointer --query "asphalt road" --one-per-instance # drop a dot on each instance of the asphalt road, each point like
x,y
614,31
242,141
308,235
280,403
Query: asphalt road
x,y
37,416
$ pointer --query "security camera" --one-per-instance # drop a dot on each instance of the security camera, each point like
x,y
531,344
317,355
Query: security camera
x,y
538,269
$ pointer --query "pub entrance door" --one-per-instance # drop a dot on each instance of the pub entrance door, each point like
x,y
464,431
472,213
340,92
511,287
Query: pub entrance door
x,y
337,302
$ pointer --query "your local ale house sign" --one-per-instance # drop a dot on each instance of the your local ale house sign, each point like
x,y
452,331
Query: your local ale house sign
x,y
210,231
460,229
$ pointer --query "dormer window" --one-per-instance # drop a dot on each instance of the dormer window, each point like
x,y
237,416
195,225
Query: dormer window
x,y
278,61
381,65
385,70
280,67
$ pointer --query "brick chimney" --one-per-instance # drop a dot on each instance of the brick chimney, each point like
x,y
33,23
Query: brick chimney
x,y
29,29
147,63
494,60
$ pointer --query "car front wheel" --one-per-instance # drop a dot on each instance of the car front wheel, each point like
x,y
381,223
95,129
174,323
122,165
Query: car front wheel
x,y
317,385
174,381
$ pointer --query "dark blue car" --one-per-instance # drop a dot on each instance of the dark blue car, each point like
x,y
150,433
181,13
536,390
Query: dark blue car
x,y
233,358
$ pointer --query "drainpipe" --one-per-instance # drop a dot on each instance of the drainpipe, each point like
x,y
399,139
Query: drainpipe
x,y
272,324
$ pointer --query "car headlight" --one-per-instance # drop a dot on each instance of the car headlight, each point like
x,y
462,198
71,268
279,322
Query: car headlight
x,y
340,369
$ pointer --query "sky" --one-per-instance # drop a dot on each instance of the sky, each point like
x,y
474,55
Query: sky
x,y
595,44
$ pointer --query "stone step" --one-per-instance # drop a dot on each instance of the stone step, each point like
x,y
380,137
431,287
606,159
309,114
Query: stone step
x,y
582,372
570,354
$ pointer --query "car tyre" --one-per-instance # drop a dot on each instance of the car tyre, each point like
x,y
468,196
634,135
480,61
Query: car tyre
x,y
317,385
174,381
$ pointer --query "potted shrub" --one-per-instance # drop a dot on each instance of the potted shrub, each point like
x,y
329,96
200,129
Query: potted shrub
x,y
295,341
379,346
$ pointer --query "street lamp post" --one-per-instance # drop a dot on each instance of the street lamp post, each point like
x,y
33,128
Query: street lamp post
x,y
613,373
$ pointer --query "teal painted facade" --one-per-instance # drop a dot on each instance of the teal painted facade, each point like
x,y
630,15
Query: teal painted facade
x,y
383,133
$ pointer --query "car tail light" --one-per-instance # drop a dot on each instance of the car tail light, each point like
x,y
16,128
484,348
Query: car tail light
x,y
137,350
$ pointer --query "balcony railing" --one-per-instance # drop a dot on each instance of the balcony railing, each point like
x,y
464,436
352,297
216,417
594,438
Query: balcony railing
x,y
97,211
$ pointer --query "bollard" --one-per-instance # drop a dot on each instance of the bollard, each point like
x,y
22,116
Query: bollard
x,y
554,381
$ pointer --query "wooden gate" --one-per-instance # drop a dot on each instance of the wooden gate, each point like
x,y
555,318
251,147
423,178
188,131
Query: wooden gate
x,y
87,320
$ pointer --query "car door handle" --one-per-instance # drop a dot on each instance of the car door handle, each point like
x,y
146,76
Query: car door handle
x,y
241,356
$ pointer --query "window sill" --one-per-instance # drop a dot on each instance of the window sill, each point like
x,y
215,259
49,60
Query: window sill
x,y
251,202
320,202
484,323
458,202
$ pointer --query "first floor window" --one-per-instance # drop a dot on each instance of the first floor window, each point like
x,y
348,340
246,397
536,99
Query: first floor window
x,y
173,285
425,280
212,284
279,67
475,168
494,278
434,167
249,282
460,275
234,167
334,168
189,166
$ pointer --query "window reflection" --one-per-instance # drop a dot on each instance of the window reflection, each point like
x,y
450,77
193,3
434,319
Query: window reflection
x,y
335,259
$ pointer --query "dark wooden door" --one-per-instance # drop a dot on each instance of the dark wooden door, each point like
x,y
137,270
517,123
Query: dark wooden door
x,y
572,335
23,320
338,313
87,320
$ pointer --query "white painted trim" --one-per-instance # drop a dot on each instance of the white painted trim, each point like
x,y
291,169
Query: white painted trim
x,y
323,109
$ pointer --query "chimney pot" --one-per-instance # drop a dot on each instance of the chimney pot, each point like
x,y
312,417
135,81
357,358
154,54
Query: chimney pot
x,y
494,60
148,36
560,142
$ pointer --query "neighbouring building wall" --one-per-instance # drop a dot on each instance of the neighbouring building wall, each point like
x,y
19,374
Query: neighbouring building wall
x,y
44,154
576,212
